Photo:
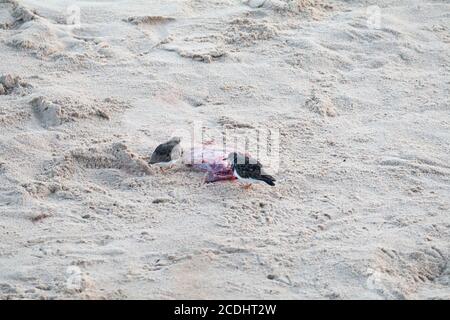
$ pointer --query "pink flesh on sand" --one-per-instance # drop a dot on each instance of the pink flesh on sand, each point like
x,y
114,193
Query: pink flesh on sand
x,y
209,160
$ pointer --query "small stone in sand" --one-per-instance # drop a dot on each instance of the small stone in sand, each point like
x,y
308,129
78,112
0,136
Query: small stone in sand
x,y
8,81
161,200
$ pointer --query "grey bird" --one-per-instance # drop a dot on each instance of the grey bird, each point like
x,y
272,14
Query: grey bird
x,y
167,154
248,170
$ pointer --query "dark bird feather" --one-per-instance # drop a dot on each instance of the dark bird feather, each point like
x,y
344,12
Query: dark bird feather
x,y
248,168
163,153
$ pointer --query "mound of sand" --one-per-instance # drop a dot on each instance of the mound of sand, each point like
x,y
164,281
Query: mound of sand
x,y
31,32
311,7
115,157
244,31
49,38
321,105
58,111
350,114
37,36
151,20
10,84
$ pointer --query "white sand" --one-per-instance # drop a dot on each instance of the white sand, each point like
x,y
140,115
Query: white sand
x,y
362,204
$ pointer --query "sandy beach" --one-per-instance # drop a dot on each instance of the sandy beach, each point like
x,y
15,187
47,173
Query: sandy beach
x,y
357,93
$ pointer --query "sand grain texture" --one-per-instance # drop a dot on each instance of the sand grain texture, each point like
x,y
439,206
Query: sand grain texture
x,y
361,208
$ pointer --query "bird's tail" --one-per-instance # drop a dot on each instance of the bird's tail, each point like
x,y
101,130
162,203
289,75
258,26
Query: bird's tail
x,y
268,179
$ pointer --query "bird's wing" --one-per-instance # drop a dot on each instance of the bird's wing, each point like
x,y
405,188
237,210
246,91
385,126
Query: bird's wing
x,y
249,171
262,172
253,161
162,153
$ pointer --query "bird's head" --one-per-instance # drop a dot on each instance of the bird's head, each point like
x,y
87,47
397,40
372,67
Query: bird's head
x,y
232,156
176,140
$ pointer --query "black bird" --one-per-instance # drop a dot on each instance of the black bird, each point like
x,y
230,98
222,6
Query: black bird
x,y
167,154
248,170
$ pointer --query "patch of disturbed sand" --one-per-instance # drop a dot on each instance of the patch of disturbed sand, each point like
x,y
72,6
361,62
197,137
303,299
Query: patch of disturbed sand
x,y
360,208
51,38
58,111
